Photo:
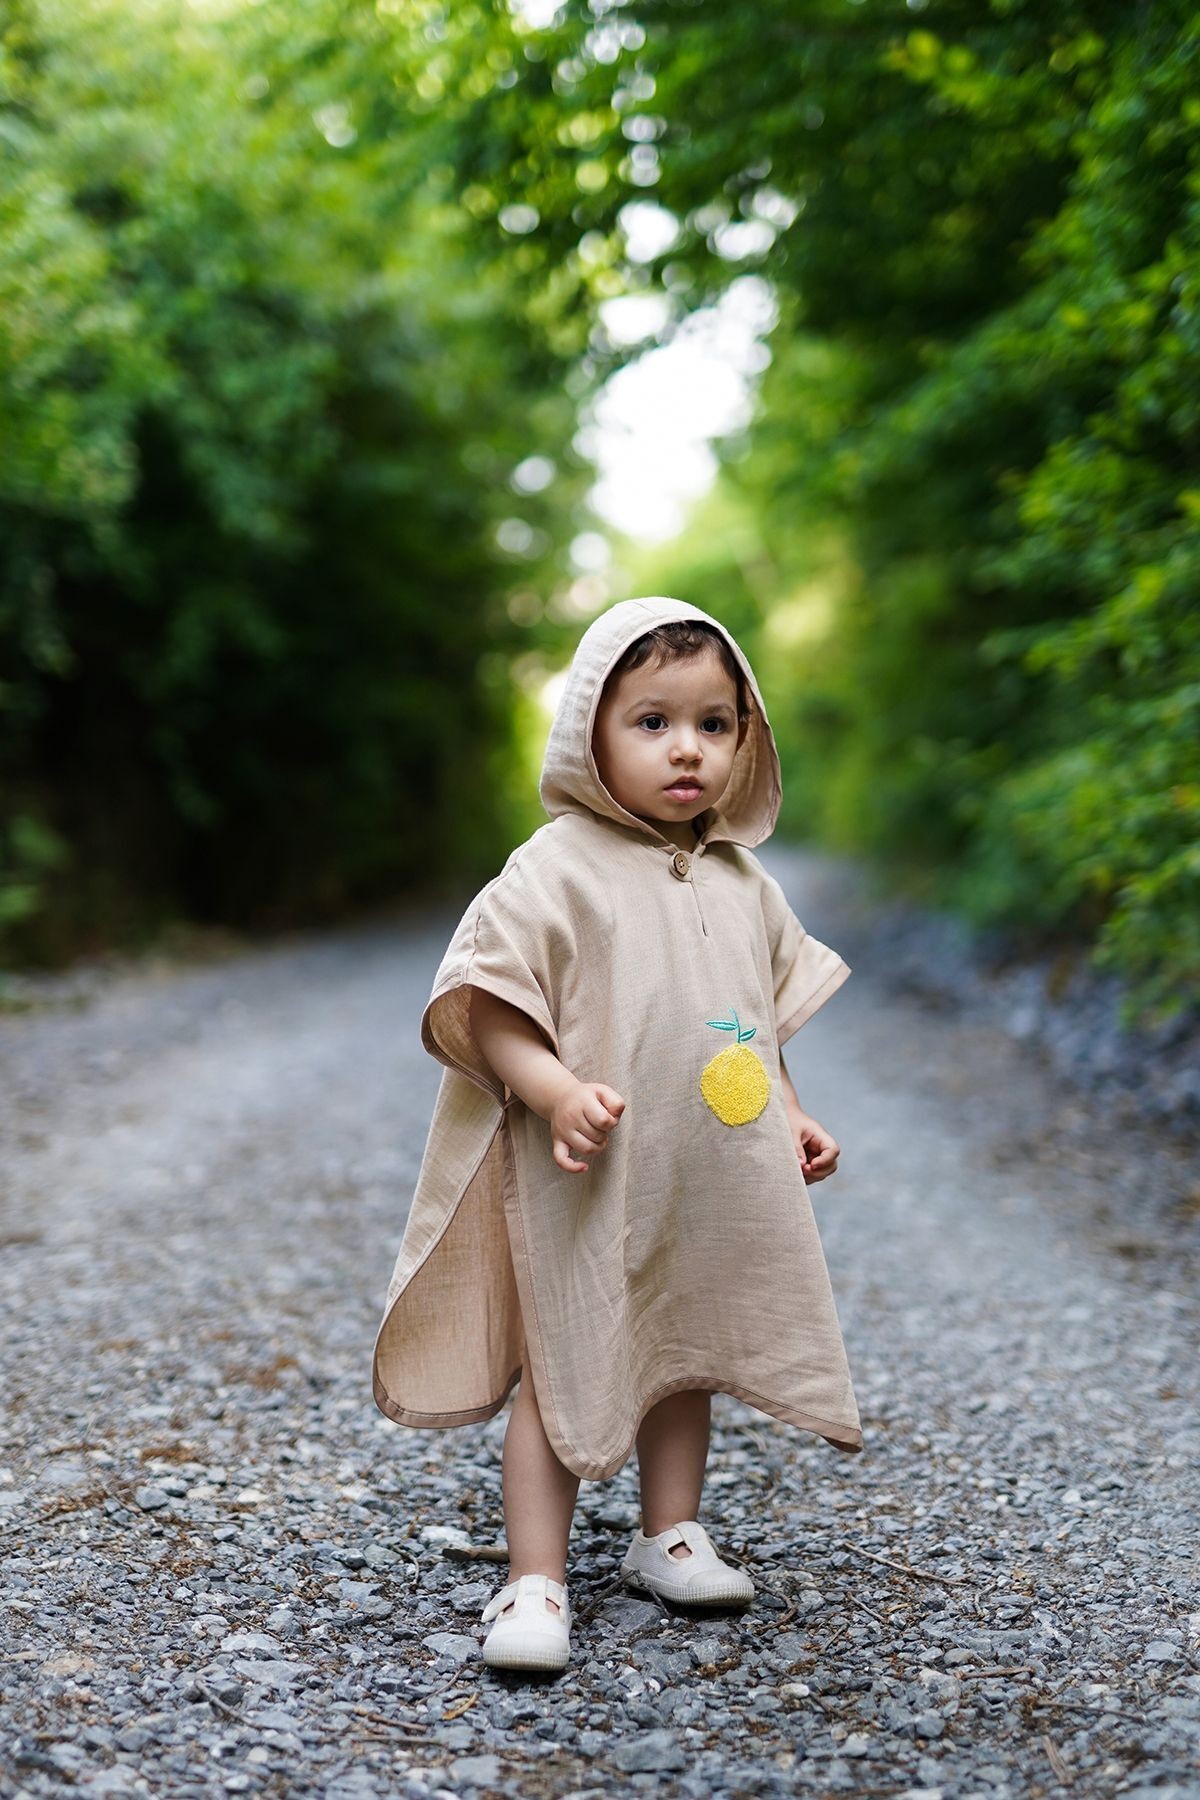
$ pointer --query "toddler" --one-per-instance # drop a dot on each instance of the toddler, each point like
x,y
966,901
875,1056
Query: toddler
x,y
612,1209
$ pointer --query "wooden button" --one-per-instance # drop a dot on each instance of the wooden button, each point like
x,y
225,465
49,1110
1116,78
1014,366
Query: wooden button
x,y
679,865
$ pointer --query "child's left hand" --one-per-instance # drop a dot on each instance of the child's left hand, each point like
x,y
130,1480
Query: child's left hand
x,y
817,1148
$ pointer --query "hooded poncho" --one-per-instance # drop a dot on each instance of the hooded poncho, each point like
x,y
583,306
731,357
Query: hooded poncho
x,y
686,1256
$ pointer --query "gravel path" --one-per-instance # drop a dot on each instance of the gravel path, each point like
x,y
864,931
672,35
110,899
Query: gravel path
x,y
225,1572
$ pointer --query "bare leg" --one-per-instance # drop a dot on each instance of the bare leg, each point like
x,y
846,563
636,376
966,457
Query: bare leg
x,y
672,1447
539,1493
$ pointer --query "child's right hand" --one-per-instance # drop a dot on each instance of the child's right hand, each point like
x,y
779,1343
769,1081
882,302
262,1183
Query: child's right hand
x,y
581,1120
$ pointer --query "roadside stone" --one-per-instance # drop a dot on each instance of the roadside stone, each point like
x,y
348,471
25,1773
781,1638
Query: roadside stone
x,y
452,1644
628,1615
653,1752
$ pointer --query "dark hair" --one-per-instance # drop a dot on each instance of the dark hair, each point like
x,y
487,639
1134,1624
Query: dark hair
x,y
677,641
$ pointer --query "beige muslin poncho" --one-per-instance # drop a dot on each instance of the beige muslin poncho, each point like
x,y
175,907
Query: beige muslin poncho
x,y
687,1255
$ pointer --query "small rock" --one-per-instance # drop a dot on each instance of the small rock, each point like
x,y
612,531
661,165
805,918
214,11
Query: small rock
x,y
472,1596
791,1647
271,1672
256,1642
68,1662
356,1591
446,1534
150,1498
457,1736
652,1752
225,1686
478,1771
455,1644
118,1780
376,1607
615,1517
378,1556
273,1718
628,1614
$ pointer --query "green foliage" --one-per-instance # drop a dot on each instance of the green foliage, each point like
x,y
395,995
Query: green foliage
x,y
28,853
263,384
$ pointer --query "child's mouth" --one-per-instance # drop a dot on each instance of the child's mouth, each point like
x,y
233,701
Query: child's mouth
x,y
684,790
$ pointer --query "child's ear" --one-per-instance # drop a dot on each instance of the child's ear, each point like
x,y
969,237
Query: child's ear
x,y
743,728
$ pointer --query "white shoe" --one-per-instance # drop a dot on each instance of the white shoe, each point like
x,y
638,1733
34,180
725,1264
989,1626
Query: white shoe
x,y
699,1579
532,1635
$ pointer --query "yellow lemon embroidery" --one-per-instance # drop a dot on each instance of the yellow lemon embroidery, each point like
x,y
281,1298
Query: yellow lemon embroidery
x,y
735,1085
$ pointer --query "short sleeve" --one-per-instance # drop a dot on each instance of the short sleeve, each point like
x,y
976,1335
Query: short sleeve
x,y
510,942
805,972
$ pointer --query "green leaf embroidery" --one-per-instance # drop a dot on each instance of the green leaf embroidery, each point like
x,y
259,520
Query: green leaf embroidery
x,y
733,1024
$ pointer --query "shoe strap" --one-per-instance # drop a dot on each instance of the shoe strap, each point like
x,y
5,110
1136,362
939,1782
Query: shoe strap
x,y
542,1585
499,1601
689,1532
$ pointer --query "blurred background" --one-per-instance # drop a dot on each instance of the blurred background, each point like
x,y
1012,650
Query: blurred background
x,y
355,353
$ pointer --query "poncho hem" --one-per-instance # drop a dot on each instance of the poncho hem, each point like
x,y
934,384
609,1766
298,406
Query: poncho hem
x,y
471,1415
846,1438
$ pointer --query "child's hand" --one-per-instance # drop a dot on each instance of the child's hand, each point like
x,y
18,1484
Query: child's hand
x,y
817,1149
581,1120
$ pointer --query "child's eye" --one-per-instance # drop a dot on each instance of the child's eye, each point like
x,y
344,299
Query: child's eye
x,y
652,719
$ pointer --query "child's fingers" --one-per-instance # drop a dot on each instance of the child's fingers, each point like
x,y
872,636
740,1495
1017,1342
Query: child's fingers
x,y
611,1099
598,1115
565,1160
584,1143
819,1171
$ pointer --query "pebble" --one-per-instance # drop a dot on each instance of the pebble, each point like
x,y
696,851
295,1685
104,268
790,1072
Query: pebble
x,y
651,1751
453,1644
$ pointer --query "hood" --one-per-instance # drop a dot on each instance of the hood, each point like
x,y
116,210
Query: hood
x,y
570,781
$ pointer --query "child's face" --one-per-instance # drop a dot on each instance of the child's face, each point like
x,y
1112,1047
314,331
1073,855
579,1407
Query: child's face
x,y
666,736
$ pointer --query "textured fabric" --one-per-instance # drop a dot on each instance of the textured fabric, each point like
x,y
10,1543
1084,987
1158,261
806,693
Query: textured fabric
x,y
686,1256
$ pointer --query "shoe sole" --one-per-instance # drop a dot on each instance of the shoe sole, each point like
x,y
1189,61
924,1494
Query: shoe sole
x,y
706,1590
513,1656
